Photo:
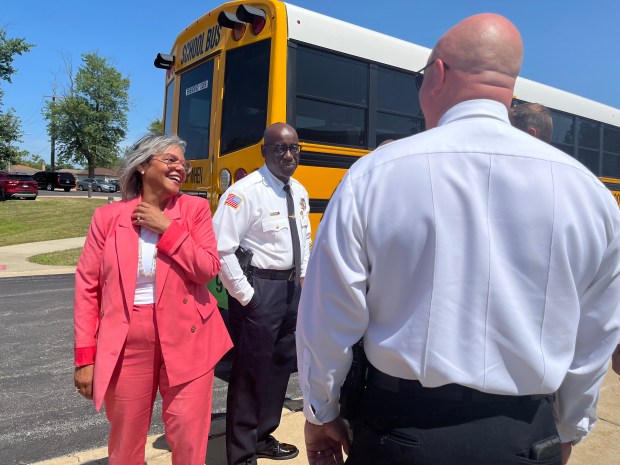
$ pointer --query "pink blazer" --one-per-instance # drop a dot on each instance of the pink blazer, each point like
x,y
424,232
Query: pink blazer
x,y
192,334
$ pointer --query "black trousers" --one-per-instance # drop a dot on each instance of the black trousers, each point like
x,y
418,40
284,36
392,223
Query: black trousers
x,y
264,336
401,428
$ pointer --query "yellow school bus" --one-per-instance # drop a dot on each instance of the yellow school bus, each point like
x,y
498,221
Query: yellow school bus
x,y
346,89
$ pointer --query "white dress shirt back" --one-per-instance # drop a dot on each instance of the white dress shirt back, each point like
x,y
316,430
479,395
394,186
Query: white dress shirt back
x,y
471,253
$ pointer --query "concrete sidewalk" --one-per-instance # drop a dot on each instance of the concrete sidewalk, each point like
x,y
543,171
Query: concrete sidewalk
x,y
158,452
601,447
13,258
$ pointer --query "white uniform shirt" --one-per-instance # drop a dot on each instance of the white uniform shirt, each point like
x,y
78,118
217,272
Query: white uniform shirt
x,y
471,253
253,213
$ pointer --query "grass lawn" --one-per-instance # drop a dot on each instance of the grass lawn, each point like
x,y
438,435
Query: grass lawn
x,y
24,221
63,258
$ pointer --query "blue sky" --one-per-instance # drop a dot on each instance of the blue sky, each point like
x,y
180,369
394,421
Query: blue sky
x,y
570,45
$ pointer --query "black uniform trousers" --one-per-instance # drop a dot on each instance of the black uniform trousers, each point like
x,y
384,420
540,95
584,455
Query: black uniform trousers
x,y
451,425
264,336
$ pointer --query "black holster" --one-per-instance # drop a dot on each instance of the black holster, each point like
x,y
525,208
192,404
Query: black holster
x,y
354,384
244,256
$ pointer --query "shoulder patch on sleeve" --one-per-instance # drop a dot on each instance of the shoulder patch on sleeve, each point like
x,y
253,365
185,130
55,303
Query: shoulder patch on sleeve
x,y
233,200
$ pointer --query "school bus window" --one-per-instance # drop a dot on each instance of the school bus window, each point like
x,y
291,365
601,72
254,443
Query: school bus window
x,y
195,110
589,158
399,113
563,128
330,123
611,139
244,111
611,165
331,77
331,98
589,134
396,127
169,108
397,92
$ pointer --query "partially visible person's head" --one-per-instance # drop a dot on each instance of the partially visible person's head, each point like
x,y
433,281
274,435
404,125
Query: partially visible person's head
x,y
533,118
281,150
479,58
140,157
385,142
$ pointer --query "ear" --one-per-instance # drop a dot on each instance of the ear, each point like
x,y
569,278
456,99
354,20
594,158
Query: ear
x,y
437,77
262,150
532,132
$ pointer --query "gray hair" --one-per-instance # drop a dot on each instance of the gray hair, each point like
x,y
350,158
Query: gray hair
x,y
141,153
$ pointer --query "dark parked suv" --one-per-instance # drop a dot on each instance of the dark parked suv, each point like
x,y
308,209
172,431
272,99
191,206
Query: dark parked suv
x,y
51,180
17,186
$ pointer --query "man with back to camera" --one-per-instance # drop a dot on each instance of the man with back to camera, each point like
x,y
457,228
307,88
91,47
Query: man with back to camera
x,y
533,118
263,219
464,258
536,120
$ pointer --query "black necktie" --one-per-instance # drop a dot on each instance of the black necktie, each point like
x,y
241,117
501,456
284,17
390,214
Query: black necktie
x,y
290,205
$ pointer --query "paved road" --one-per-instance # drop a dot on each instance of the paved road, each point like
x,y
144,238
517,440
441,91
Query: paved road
x,y
41,416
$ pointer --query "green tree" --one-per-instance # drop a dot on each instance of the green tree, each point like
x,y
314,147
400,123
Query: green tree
x,y
156,126
29,159
90,121
10,131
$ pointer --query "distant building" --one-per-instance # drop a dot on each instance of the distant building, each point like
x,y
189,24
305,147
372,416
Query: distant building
x,y
24,169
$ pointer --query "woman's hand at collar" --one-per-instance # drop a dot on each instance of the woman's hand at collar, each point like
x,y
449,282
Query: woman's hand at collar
x,y
150,217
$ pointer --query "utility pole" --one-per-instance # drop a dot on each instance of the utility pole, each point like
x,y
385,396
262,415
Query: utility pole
x,y
53,132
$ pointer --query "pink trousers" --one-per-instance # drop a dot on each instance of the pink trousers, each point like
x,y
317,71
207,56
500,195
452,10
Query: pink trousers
x,y
186,408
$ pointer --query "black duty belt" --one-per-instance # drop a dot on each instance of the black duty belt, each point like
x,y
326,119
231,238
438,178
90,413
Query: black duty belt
x,y
450,392
285,275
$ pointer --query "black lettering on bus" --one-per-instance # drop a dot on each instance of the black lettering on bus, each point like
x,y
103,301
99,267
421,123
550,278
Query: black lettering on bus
x,y
193,48
199,44
218,29
196,175
213,37
209,39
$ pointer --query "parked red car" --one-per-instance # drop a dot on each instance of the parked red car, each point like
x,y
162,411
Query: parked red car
x,y
18,186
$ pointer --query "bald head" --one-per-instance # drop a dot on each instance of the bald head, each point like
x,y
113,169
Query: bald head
x,y
483,44
276,131
479,58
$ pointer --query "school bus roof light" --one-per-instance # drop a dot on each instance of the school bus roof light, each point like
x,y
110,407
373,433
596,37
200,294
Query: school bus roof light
x,y
257,18
163,61
230,21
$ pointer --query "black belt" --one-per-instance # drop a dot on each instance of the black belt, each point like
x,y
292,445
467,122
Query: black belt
x,y
286,275
451,392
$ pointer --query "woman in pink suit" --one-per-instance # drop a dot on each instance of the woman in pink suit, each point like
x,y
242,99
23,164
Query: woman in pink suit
x,y
144,319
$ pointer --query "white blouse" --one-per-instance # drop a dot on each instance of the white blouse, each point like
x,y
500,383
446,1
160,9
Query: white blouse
x,y
147,264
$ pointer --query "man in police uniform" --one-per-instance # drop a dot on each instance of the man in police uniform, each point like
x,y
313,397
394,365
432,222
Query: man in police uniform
x,y
266,214
533,118
482,268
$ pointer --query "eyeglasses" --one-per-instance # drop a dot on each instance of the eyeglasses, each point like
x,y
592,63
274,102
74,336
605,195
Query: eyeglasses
x,y
419,78
281,149
175,163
